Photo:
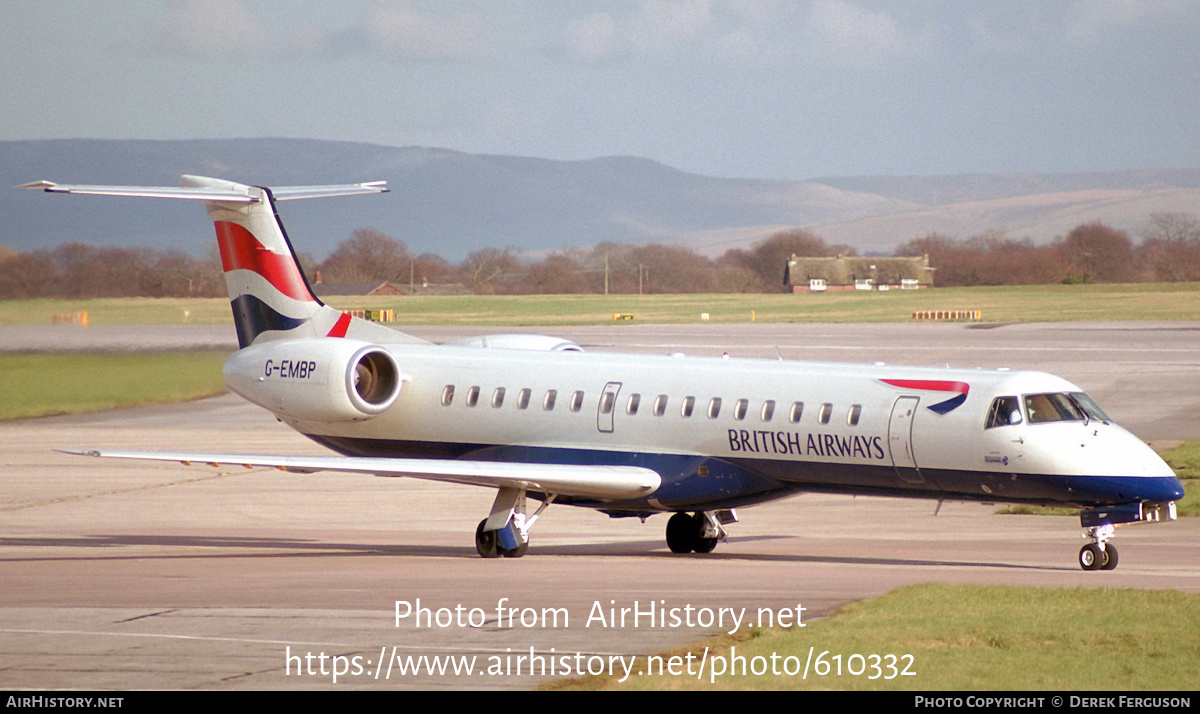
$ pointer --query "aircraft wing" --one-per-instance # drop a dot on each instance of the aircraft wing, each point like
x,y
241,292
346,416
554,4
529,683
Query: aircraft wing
x,y
601,482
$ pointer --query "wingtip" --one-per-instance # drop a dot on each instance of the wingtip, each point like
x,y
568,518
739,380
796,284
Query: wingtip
x,y
39,185
79,452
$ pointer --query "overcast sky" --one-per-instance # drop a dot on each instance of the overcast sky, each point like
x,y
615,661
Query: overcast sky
x,y
736,88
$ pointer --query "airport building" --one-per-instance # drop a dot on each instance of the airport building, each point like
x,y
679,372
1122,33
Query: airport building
x,y
806,275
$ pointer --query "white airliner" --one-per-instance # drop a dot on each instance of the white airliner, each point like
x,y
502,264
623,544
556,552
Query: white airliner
x,y
538,419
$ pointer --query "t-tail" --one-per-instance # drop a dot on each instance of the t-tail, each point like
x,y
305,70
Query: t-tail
x,y
270,297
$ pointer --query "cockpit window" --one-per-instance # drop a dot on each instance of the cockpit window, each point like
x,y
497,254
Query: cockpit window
x,y
1004,412
1089,407
1045,408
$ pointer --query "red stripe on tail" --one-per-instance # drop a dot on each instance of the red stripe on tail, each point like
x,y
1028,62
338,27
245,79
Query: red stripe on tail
x,y
241,250
339,329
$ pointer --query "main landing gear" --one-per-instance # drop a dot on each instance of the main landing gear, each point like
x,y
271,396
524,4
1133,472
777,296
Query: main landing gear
x,y
1099,554
505,533
698,532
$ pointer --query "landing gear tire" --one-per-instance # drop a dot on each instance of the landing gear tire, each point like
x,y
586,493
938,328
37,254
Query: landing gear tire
x,y
705,545
1110,563
486,542
516,552
1091,557
683,533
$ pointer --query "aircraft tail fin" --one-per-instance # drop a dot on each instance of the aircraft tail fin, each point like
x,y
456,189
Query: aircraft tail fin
x,y
270,297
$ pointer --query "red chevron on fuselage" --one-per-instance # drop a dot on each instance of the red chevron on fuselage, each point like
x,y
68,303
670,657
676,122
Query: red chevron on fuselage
x,y
936,385
933,385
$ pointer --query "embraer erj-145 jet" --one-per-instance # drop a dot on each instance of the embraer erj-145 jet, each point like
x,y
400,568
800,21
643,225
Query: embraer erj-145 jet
x,y
538,419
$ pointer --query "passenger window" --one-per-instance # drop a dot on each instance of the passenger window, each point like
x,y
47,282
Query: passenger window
x,y
1003,412
855,412
447,395
634,401
714,407
797,412
576,401
740,407
606,402
498,397
688,404
660,405
768,410
523,399
550,398
825,413
472,396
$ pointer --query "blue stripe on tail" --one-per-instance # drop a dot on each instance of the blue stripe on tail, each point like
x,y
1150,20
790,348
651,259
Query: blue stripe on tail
x,y
252,317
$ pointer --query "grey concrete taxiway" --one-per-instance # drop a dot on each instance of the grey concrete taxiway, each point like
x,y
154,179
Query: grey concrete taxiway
x,y
127,575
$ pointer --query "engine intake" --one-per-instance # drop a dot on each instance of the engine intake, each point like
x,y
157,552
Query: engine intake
x,y
374,380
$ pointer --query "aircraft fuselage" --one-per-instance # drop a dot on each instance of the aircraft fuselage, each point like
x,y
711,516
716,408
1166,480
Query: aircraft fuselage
x,y
730,432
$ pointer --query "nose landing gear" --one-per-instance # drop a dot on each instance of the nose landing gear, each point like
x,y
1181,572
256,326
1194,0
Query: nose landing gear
x,y
1100,523
1099,554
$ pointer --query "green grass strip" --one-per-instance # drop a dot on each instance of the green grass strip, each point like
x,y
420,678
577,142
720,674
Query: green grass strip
x,y
1185,460
72,383
960,637
1020,303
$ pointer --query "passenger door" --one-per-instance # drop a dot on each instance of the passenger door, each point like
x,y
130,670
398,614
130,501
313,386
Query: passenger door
x,y
900,440
606,407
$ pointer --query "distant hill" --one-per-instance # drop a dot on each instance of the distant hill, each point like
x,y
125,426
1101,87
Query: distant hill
x,y
451,203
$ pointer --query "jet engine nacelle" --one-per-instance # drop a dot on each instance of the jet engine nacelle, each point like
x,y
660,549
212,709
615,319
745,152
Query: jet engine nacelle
x,y
316,379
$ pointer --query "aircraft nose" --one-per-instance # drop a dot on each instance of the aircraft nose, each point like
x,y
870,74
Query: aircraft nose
x,y
1135,489
1177,491
1167,488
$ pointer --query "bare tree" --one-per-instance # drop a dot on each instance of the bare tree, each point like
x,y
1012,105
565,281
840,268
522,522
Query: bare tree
x,y
1170,249
1172,228
557,274
988,259
768,259
1099,252
490,271
367,255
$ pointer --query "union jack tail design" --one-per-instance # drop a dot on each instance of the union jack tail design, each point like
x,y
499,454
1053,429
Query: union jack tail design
x,y
270,297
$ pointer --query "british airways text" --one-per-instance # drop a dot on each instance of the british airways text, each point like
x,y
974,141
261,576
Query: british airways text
x,y
790,442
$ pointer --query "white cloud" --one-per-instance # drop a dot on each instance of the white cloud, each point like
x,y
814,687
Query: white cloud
x,y
217,28
232,29
986,37
1088,21
745,32
758,12
591,38
846,34
398,29
654,27
740,45
660,25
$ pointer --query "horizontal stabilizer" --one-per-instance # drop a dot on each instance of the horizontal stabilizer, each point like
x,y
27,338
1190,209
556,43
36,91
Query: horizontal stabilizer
x,y
295,193
199,188
601,482
190,193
